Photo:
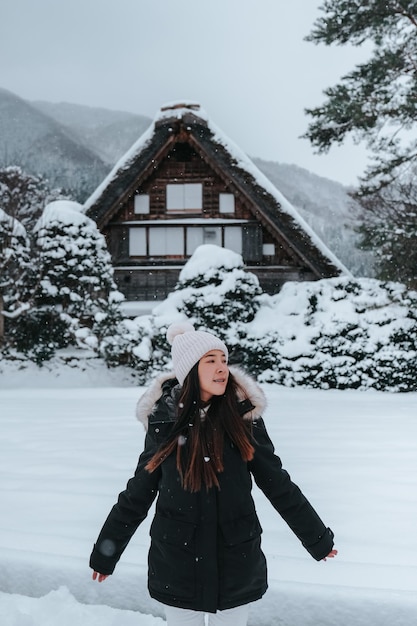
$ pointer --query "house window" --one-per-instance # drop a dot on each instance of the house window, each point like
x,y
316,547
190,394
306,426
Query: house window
x,y
185,197
141,204
182,241
212,234
168,241
268,249
137,242
233,238
226,203
197,236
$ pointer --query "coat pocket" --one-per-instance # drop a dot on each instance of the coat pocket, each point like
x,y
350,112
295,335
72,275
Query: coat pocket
x,y
241,530
172,558
243,571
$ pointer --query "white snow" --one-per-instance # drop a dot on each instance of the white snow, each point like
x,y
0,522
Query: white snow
x,y
64,212
69,442
207,258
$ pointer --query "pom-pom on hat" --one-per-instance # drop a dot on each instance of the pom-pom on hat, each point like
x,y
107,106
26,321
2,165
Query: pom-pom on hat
x,y
189,345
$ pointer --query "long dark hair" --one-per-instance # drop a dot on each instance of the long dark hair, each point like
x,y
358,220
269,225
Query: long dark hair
x,y
198,441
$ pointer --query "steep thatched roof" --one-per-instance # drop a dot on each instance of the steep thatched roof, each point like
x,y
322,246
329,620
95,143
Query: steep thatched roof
x,y
188,123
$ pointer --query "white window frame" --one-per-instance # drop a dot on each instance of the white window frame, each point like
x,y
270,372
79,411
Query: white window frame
x,y
226,203
184,197
137,242
268,249
233,238
141,204
195,238
166,241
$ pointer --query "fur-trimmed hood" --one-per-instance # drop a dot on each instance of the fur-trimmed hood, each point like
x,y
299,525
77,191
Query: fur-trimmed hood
x,y
253,392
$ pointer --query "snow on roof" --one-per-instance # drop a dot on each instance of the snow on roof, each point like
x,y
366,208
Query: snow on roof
x,y
122,164
244,162
168,111
178,110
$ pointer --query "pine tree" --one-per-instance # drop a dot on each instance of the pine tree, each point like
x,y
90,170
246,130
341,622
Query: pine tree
x,y
218,293
70,283
376,101
24,196
389,227
14,262
75,267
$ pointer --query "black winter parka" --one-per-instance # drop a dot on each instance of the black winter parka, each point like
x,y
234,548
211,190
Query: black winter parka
x,y
205,551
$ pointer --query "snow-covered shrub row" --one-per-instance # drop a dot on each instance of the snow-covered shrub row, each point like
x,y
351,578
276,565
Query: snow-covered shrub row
x,y
334,333
340,333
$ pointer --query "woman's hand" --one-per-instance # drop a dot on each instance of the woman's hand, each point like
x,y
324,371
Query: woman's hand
x,y
331,555
101,577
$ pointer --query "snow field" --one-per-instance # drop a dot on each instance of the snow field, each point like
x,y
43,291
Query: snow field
x,y
66,453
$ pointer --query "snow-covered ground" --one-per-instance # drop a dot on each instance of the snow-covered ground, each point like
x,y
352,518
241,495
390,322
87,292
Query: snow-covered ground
x,y
68,445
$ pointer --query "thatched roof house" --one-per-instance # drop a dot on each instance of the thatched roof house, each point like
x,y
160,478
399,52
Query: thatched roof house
x,y
184,183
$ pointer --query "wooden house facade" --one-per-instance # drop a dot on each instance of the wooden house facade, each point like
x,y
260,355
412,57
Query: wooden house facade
x,y
183,184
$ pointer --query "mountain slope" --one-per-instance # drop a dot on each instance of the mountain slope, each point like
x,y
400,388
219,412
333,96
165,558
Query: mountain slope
x,y
41,145
326,206
109,133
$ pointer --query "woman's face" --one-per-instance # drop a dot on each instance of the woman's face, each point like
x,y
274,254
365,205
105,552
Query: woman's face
x,y
213,374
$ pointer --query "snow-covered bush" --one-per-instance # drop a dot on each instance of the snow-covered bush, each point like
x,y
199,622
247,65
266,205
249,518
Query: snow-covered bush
x,y
14,258
130,345
23,196
139,343
216,293
38,333
333,333
336,333
213,291
340,333
75,270
70,295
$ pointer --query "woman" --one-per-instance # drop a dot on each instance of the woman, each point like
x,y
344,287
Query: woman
x,y
205,439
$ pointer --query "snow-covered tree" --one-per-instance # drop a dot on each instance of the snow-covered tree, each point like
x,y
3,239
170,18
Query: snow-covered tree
x,y
376,101
24,196
14,262
217,292
388,227
70,284
75,270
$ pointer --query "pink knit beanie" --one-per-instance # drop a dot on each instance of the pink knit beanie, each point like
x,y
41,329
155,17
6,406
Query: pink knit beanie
x,y
189,345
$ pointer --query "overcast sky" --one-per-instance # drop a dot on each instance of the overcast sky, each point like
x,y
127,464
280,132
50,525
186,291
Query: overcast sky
x,y
244,61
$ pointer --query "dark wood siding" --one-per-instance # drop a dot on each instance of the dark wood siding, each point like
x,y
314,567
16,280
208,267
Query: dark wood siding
x,y
147,283
193,170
